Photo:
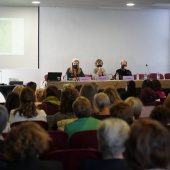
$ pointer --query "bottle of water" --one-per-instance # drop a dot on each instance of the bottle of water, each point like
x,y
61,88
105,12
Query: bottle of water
x,y
117,76
145,76
158,76
137,76
65,77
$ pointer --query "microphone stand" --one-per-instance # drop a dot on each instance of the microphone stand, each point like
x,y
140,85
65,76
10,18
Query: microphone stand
x,y
148,71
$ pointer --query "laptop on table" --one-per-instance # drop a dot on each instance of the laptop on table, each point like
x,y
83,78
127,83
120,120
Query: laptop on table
x,y
54,76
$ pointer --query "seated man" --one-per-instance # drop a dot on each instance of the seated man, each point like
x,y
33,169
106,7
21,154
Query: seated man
x,y
82,109
112,135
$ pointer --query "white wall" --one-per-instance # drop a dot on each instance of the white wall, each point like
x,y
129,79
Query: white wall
x,y
140,36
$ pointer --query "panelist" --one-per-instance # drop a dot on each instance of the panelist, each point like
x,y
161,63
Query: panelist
x,y
123,71
99,71
74,71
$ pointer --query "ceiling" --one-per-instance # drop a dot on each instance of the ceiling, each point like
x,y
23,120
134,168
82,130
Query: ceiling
x,y
106,4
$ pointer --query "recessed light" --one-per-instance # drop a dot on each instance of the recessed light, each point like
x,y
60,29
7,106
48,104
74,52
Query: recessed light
x,y
36,2
130,4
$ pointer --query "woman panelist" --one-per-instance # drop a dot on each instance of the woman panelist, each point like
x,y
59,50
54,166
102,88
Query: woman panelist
x,y
74,71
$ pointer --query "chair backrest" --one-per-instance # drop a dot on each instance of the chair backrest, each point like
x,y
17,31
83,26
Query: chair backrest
x,y
153,76
71,159
45,77
167,76
43,124
84,139
141,76
59,140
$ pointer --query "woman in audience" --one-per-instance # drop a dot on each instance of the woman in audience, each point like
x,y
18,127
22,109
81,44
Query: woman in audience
x,y
113,94
147,147
12,101
17,89
74,71
136,106
32,85
148,97
130,90
39,95
23,146
167,102
158,89
51,102
82,109
27,110
102,102
99,71
88,90
66,115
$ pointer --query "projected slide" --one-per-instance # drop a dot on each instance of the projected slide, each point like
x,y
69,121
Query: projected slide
x,y
11,36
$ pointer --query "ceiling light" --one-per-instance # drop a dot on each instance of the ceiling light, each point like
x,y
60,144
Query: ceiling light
x,y
130,4
36,2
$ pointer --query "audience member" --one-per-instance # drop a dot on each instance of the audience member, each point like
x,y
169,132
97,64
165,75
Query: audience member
x,y
112,134
66,115
99,71
158,88
23,146
82,109
27,110
136,106
17,89
130,90
123,71
3,125
51,102
167,102
147,147
32,85
102,102
148,97
74,71
147,83
12,101
123,111
39,95
113,94
88,90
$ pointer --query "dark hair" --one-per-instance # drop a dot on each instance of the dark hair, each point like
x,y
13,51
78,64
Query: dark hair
x,y
3,118
167,102
123,111
131,87
147,83
32,85
156,85
148,145
52,90
68,96
12,101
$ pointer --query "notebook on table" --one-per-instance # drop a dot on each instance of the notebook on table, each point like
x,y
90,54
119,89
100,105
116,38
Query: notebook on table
x,y
84,78
102,78
128,77
54,76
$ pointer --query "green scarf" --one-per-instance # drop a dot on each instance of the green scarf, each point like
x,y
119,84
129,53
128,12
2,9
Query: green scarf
x,y
52,100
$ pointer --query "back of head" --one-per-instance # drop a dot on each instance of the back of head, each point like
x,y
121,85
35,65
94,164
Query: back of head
x,y
17,89
148,145
156,85
27,140
68,96
147,83
101,100
82,107
112,93
52,90
123,111
3,118
32,85
112,134
148,96
136,105
167,102
39,94
131,87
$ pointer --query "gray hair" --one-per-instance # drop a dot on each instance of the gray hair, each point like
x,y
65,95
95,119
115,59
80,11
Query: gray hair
x,y
112,134
102,100
3,118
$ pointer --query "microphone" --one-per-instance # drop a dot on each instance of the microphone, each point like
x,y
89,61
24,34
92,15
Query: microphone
x,y
148,70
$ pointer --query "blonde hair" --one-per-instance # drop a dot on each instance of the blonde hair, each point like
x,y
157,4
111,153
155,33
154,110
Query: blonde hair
x,y
17,89
98,61
78,70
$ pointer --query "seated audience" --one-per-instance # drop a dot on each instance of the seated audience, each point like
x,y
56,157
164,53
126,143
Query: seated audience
x,y
123,111
147,83
82,109
147,147
51,102
3,124
136,106
88,90
66,115
27,110
148,98
17,89
112,134
158,88
32,85
161,114
23,146
112,93
39,95
130,90
12,101
102,102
